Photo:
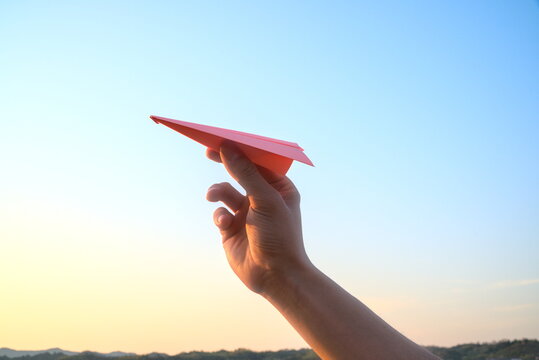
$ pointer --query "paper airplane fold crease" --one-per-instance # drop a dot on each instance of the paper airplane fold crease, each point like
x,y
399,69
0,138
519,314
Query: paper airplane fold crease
x,y
273,154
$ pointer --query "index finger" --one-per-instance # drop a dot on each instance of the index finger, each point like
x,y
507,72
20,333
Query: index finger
x,y
279,182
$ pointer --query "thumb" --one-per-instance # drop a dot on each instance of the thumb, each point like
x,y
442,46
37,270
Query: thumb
x,y
246,173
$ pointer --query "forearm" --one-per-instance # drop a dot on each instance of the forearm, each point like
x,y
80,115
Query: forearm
x,y
333,322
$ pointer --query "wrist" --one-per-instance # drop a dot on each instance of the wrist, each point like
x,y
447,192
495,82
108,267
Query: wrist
x,y
285,282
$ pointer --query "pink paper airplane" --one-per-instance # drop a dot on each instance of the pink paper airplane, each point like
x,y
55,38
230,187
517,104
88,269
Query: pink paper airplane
x,y
275,155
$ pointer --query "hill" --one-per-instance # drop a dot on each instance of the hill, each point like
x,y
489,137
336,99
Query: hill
x,y
524,349
10,353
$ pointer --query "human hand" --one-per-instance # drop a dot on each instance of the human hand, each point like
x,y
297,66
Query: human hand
x,y
264,246
262,238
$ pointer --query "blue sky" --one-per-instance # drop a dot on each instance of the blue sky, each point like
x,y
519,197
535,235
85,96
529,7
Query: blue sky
x,y
421,118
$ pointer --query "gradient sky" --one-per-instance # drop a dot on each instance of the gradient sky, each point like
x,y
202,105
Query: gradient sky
x,y
422,119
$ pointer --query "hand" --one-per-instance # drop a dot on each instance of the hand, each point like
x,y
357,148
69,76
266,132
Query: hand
x,y
264,247
262,238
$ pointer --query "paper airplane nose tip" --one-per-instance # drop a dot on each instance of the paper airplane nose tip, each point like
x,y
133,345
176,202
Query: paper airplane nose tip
x,y
154,118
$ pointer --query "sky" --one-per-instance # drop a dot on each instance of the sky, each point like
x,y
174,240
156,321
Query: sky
x,y
422,119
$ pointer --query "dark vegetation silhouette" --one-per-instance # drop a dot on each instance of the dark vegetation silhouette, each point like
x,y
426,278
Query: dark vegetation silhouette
x,y
240,354
524,349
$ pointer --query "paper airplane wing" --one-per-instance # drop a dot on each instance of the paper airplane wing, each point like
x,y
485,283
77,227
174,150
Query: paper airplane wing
x,y
273,154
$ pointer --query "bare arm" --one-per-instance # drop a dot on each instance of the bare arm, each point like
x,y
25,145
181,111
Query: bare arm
x,y
264,246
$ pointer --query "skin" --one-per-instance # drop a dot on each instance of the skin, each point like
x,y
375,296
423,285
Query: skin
x,y
263,243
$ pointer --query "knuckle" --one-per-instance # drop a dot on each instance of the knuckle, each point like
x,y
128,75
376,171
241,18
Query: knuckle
x,y
248,169
270,201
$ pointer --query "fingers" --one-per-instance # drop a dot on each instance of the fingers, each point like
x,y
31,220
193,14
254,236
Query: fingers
x,y
247,175
223,219
213,155
288,190
269,175
281,183
227,194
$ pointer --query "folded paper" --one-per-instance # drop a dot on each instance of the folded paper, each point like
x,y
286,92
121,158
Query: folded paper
x,y
275,155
